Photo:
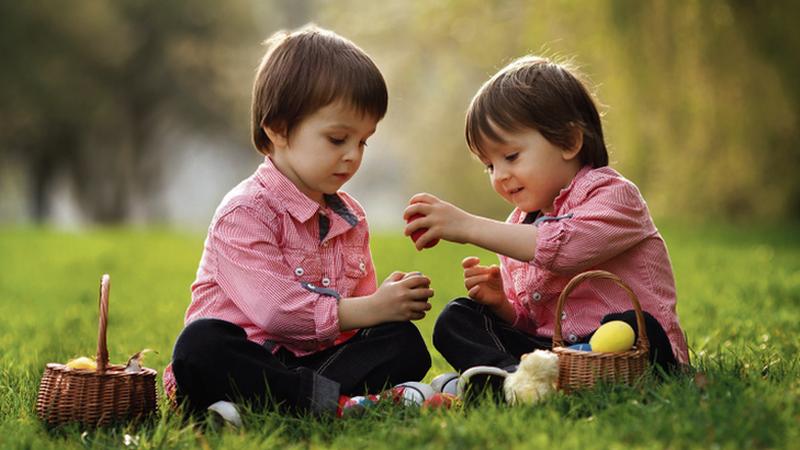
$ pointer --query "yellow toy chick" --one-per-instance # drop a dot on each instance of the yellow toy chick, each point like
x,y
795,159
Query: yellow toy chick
x,y
82,363
534,380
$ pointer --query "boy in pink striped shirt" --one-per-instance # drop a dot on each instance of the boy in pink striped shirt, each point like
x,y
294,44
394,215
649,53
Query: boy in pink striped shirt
x,y
286,307
537,130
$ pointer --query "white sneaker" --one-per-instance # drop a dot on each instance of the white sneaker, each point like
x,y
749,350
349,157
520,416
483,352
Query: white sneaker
x,y
228,412
478,379
446,383
415,393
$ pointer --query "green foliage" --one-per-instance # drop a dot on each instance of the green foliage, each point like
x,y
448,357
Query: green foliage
x,y
85,88
701,97
702,100
739,302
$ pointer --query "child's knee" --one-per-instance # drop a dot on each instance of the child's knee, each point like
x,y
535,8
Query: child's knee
x,y
411,349
453,314
205,338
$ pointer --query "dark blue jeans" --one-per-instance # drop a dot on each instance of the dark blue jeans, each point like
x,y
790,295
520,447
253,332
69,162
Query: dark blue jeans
x,y
213,360
467,334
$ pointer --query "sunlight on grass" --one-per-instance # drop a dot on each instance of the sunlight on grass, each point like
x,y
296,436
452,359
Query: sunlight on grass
x,y
739,302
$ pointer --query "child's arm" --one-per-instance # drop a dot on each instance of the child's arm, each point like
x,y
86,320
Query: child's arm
x,y
611,218
398,299
446,221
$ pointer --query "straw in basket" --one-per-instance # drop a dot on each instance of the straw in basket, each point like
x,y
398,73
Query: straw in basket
x,y
96,398
580,369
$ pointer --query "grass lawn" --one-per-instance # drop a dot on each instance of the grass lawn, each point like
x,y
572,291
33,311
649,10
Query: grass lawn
x,y
739,302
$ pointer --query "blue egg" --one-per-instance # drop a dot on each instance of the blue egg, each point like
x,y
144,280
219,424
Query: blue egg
x,y
581,347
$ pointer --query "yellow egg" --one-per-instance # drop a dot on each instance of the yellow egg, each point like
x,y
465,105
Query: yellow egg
x,y
82,363
614,336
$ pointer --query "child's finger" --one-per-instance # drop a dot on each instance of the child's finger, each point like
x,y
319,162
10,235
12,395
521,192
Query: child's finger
x,y
415,281
477,279
420,306
423,239
422,209
474,293
470,261
417,315
422,197
395,276
421,294
476,270
415,225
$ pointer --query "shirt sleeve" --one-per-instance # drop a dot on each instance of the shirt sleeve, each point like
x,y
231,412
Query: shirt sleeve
x,y
252,272
612,218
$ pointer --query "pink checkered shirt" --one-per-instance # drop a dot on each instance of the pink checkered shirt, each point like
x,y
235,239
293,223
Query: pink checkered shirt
x,y
600,221
275,263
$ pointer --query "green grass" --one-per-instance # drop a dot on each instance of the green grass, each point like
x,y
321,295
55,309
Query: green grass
x,y
739,302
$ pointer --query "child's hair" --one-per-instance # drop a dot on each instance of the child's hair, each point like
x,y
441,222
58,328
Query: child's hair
x,y
537,93
306,70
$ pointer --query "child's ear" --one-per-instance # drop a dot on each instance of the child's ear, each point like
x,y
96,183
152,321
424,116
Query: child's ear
x,y
576,146
277,135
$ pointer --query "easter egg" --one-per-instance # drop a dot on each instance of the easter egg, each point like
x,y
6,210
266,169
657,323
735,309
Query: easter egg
x,y
614,336
582,347
415,235
441,400
82,363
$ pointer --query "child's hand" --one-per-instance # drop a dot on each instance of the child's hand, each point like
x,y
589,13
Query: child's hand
x,y
403,297
440,219
484,283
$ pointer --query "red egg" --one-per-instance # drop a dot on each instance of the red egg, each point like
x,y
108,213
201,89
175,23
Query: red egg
x,y
415,235
441,400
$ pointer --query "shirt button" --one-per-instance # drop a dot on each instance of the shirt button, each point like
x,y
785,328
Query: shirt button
x,y
563,315
536,296
326,282
362,266
572,338
325,244
299,271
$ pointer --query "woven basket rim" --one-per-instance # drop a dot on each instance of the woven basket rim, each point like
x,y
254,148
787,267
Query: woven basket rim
x,y
114,370
643,343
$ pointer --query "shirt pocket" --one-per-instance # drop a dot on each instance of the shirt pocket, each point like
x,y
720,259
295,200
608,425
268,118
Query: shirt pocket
x,y
354,270
355,266
305,266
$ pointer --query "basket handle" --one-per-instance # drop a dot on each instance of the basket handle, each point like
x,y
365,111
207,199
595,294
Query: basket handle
x,y
644,344
102,347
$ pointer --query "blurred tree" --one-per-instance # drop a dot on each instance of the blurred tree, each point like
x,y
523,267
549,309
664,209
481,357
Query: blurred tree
x,y
702,99
712,105
84,87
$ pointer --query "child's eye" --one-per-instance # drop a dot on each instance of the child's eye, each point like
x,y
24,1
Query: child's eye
x,y
363,144
336,141
512,157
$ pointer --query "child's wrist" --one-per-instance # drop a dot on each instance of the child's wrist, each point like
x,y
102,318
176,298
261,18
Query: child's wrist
x,y
468,228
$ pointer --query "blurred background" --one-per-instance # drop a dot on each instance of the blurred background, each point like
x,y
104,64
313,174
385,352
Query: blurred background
x,y
137,111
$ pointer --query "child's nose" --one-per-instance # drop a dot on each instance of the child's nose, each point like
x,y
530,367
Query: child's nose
x,y
500,173
352,154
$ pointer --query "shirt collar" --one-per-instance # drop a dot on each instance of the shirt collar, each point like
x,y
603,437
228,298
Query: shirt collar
x,y
564,193
295,202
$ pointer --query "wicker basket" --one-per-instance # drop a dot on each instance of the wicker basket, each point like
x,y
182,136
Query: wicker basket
x,y
96,398
581,369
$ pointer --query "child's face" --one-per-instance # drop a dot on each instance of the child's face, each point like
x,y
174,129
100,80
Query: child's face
x,y
324,151
527,170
